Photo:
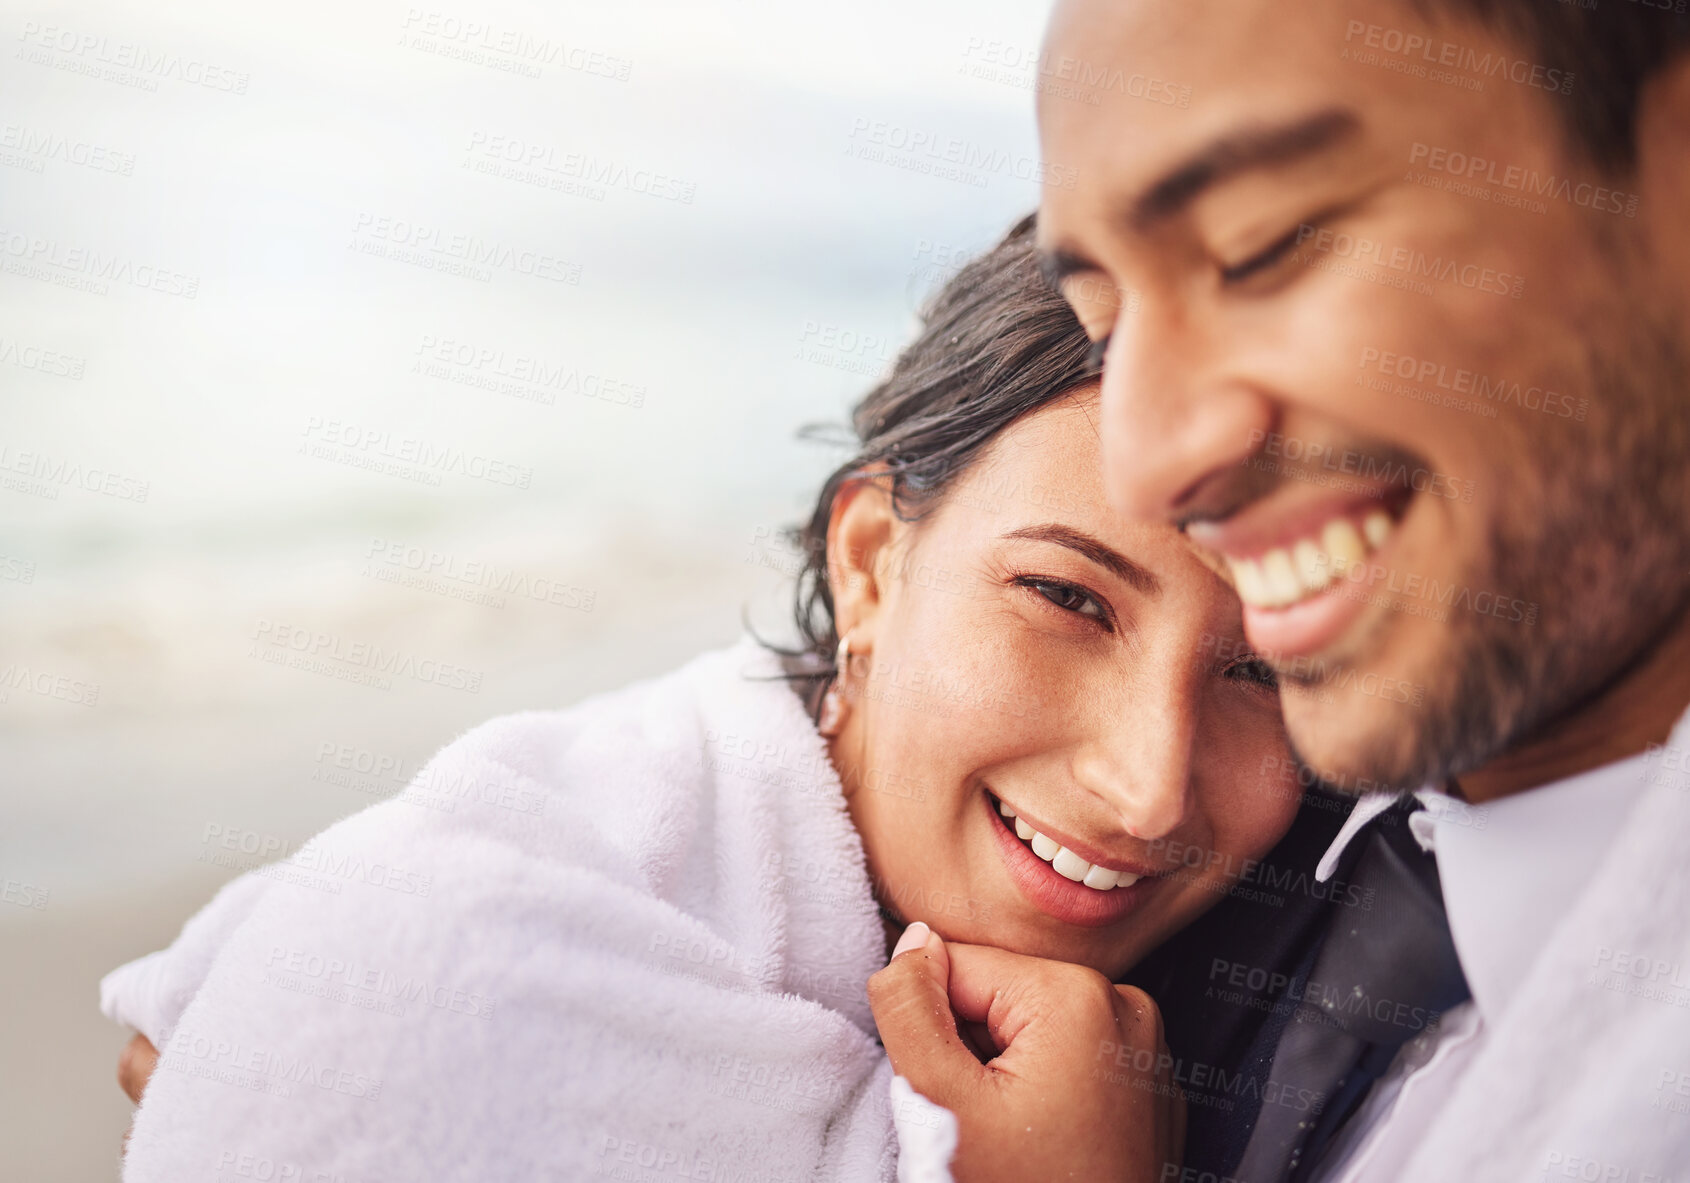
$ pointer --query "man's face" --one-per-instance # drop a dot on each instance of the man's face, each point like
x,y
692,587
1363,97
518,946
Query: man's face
x,y
1386,347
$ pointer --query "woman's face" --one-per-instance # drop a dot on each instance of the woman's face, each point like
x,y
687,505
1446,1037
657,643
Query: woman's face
x,y
1024,647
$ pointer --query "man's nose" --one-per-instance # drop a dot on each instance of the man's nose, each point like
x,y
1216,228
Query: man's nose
x,y
1174,412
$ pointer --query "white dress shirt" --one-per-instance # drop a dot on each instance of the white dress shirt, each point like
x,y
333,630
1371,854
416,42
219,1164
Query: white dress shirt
x,y
1510,870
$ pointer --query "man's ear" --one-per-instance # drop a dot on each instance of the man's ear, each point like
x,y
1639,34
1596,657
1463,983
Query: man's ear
x,y
860,533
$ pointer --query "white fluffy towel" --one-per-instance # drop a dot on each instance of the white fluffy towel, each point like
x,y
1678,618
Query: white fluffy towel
x,y
626,941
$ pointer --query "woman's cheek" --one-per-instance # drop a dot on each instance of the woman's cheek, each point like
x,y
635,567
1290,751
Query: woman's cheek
x,y
1253,820
1250,773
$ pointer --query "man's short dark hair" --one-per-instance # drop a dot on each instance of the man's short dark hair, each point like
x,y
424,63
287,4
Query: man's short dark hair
x,y
1613,48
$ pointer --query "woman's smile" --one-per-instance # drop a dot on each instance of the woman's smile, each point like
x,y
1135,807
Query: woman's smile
x,y
1063,884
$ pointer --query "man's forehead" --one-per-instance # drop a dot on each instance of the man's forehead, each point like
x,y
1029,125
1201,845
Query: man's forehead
x,y
1164,29
1142,33
1153,66
1256,82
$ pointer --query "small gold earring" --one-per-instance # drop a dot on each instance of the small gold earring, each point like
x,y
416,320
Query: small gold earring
x,y
833,702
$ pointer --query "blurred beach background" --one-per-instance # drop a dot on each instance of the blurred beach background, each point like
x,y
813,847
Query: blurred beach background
x,y
370,370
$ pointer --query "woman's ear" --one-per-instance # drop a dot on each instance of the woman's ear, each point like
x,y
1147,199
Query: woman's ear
x,y
860,533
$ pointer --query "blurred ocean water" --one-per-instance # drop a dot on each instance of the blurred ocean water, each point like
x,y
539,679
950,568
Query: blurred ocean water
x,y
552,288
367,371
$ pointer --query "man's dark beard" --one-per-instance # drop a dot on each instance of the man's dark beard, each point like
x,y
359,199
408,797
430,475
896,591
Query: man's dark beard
x,y
1601,544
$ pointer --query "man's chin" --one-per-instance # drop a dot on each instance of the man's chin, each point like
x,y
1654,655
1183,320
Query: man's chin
x,y
1355,731
1363,719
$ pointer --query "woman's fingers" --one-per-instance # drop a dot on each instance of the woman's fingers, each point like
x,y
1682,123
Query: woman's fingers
x,y
1033,1007
1140,1023
913,1013
135,1066
1083,1089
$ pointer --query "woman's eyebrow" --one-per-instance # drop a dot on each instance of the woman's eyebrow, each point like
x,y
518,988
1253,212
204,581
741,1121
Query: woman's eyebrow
x,y
1097,551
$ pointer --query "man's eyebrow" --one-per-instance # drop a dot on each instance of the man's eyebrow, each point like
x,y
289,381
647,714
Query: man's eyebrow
x,y
1238,152
1102,554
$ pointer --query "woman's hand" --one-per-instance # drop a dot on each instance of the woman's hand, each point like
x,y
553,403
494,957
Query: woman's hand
x,y
135,1066
1082,1087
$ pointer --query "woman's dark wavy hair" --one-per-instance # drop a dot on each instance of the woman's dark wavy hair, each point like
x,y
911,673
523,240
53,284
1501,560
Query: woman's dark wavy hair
x,y
996,342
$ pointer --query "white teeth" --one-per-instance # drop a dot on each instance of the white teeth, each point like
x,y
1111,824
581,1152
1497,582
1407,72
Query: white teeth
x,y
1066,863
1314,568
1251,583
1070,865
1343,542
1285,575
1377,528
1102,878
1282,583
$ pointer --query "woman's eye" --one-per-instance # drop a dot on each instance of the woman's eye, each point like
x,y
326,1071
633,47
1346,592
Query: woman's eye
x,y
1239,272
1252,670
1069,598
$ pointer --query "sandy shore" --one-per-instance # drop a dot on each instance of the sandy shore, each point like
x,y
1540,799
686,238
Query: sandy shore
x,y
62,1116
107,810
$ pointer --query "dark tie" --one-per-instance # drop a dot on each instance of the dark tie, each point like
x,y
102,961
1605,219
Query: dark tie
x,y
1382,975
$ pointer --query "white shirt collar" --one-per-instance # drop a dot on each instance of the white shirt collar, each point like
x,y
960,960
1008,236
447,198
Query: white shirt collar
x,y
1512,868
1368,806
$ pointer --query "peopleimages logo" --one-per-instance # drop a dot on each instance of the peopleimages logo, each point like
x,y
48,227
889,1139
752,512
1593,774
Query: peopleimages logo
x,y
580,168
41,361
429,566
476,41
17,676
316,649
235,846
519,375
1428,51
1525,181
1063,76
924,150
1412,264
1458,380
400,986
126,55
58,472
260,1069
46,145
1369,468
433,247
36,257
331,438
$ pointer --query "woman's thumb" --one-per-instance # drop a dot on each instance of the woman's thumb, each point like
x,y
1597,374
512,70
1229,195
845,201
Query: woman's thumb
x,y
912,1008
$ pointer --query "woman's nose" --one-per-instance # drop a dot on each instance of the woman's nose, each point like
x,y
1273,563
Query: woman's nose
x,y
1140,759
